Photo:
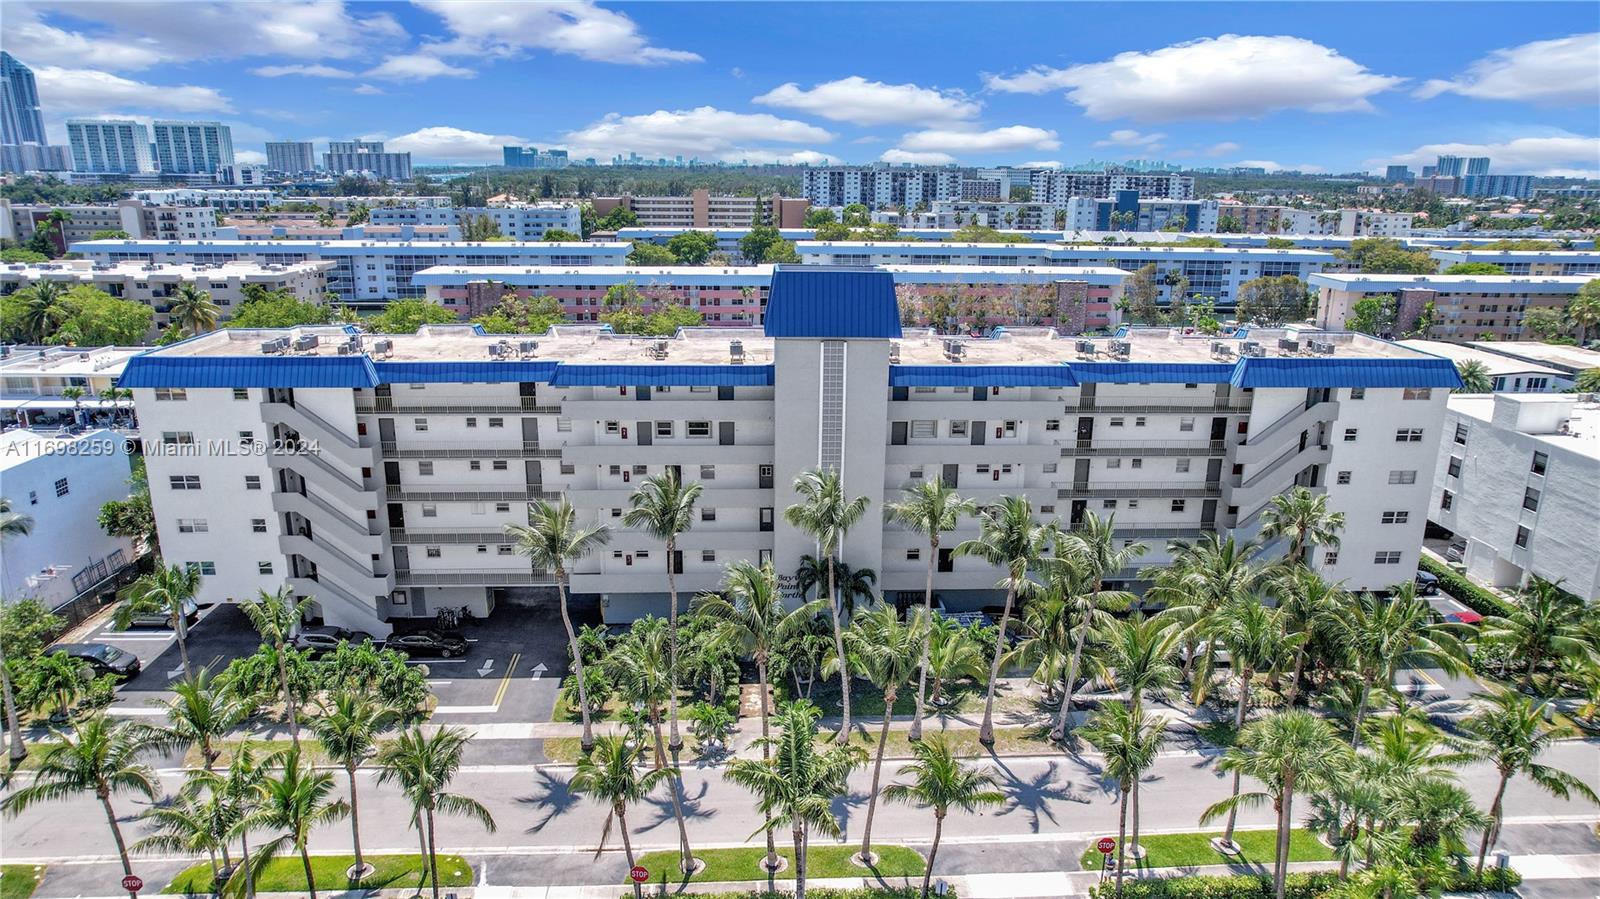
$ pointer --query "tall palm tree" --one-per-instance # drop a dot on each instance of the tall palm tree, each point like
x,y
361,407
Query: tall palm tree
x,y
1311,608
931,508
192,310
165,591
422,765
663,506
1287,751
884,649
1474,377
552,540
1092,547
1130,741
940,781
1546,623
638,665
97,757
1303,517
348,730
1200,578
201,713
12,526
1382,632
611,774
240,788
827,515
275,616
43,311
797,785
1011,540
1137,656
193,821
294,801
1511,732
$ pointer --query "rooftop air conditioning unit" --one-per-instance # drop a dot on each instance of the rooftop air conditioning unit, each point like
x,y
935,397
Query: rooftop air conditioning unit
x,y
383,346
1252,348
1288,345
306,342
1086,347
528,347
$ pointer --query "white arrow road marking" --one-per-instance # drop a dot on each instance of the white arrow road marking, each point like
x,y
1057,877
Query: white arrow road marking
x,y
488,666
539,670
176,672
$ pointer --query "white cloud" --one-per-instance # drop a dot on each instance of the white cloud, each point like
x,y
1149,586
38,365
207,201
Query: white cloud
x,y
868,139
366,89
416,67
915,158
249,157
1042,164
307,71
91,91
445,144
47,44
1227,77
1562,70
1222,149
781,157
1127,137
855,99
704,131
995,140
1559,154
573,27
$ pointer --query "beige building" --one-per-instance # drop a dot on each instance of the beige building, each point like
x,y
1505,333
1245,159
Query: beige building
x,y
1465,307
703,210
139,220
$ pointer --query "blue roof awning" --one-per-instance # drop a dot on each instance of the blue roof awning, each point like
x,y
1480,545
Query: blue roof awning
x,y
829,302
981,376
156,370
662,376
1152,372
1270,372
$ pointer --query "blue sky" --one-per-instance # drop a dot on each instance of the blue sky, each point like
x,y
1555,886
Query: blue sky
x,y
1323,86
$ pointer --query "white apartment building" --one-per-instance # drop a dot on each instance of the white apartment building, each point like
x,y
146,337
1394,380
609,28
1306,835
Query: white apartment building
x,y
136,218
418,449
1517,478
879,186
345,205
1527,262
1506,374
365,272
1344,222
241,199
1051,186
61,481
518,221
32,379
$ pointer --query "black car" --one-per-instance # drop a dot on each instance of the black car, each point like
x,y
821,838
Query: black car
x,y
1427,583
318,640
104,659
429,643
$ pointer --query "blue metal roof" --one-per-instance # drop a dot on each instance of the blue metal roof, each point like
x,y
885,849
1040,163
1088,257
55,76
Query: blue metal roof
x,y
662,376
155,370
1152,372
831,302
981,376
1269,372
461,372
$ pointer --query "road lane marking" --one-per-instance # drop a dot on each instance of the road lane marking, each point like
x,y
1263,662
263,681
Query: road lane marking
x,y
505,679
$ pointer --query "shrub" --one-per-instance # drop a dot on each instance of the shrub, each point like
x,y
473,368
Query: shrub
x,y
1482,601
831,893
1297,886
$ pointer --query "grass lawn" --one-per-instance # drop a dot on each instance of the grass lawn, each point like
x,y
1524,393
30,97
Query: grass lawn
x,y
823,861
310,750
963,741
19,881
563,750
1183,850
286,875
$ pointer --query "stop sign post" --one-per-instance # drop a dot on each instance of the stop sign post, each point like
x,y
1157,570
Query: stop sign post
x,y
639,873
1106,845
132,883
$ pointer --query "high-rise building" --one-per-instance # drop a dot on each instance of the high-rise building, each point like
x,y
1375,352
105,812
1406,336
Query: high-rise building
x,y
193,147
1050,186
366,156
1429,171
1397,174
879,186
1478,165
291,157
1519,186
23,147
109,145
531,158
1450,166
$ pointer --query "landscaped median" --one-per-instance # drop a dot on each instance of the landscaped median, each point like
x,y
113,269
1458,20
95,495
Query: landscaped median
x,y
19,881
286,874
744,864
1188,850
1314,885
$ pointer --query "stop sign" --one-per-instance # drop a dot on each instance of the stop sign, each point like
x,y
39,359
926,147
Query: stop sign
x,y
639,873
1106,845
132,883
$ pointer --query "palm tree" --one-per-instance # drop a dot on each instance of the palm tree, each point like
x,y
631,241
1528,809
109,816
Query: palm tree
x,y
56,680
1511,732
610,773
939,780
12,526
75,394
1311,608
551,540
1474,377
43,311
192,822
1130,741
1201,577
201,713
827,515
1545,623
1303,517
96,757
1289,750
1382,632
165,591
953,653
192,310
423,765
885,650
1137,656
275,616
930,508
239,787
1011,540
1093,547
797,785
294,801
663,506
638,665
349,734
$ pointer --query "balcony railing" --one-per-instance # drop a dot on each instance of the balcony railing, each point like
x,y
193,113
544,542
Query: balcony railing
x,y
460,449
1151,488
406,537
434,577
467,493
387,404
1070,447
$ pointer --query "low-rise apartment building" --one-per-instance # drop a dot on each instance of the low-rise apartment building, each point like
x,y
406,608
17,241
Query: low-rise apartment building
x,y
231,199
136,218
32,379
518,221
1516,479
391,465
1569,361
704,211
1506,374
1465,307
1527,262
1051,186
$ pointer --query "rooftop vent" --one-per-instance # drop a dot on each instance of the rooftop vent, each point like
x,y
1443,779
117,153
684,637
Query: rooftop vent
x,y
954,350
736,351
1288,345
1121,348
1085,347
383,346
894,352
305,342
1251,348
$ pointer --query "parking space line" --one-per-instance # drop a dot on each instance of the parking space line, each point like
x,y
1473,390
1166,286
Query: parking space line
x,y
505,679
162,636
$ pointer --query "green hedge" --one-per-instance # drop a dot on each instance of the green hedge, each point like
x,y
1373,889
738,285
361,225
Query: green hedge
x,y
1482,601
1312,885
827,893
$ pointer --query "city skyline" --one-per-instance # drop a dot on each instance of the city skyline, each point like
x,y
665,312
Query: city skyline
x,y
1214,86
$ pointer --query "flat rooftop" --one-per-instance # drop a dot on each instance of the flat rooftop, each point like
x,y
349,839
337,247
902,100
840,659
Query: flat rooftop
x,y
1446,283
1582,432
1566,358
745,274
1517,255
19,446
87,270
502,247
1495,363
62,361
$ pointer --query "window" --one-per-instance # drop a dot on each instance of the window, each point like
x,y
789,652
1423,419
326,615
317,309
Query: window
x,y
503,549
1540,463
483,548
247,436
419,424
958,429
193,526
1397,476
1108,504
1010,429
1186,424
258,525
1117,422
434,552
1178,505
1350,435
1050,467
184,481
1052,424
1113,463
697,429
1447,500
33,497
252,482
497,422
641,470
1530,499
263,568
1138,422
913,555
982,468
1183,465
708,555
171,394
613,427
1137,463
1522,536
708,514
708,472
1399,517
205,568
1461,434
663,429
924,428
1358,393
500,465
425,468
61,487
1453,467
502,507
472,421
1331,557
1047,509
563,424
1133,504
1408,435
1417,393
241,393
430,510
474,465
765,517
568,468
176,438
642,554
1386,557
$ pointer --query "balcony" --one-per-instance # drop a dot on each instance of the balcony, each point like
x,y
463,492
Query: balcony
x,y
1159,405
676,452
1139,489
467,493
1071,447
374,404
474,577
461,449
1260,445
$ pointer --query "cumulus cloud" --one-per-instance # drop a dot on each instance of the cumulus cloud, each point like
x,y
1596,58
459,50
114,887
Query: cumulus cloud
x,y
92,91
917,158
855,99
783,157
1557,71
445,144
1557,154
572,27
366,89
1226,77
416,67
249,157
1127,137
705,131
1222,149
1042,164
995,140
307,71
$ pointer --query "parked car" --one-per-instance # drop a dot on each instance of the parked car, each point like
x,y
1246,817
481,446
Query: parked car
x,y
160,618
1427,583
103,658
429,643
318,640
1455,553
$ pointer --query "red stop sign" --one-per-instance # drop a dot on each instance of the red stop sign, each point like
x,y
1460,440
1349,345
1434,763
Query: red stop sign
x,y
639,873
1106,845
132,883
